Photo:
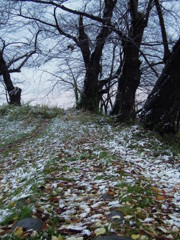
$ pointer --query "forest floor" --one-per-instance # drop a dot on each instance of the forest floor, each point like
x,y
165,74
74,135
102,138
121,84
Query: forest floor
x,y
73,175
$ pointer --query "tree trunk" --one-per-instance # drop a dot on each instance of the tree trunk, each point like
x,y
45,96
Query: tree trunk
x,y
160,112
13,92
90,94
89,97
128,82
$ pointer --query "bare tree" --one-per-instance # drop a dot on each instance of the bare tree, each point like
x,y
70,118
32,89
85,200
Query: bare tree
x,y
13,64
161,110
17,46
91,46
129,79
138,57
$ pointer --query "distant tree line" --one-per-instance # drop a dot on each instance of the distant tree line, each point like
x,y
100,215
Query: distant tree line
x,y
108,52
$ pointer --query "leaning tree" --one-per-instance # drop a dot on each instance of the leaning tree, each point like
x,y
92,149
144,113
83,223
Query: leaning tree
x,y
161,109
12,61
17,46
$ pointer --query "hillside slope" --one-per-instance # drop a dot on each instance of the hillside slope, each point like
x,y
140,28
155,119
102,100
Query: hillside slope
x,y
84,177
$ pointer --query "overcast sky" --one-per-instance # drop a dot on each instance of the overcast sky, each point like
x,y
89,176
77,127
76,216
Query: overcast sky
x,y
36,87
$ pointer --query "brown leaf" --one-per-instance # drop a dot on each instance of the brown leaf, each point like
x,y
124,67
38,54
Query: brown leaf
x,y
161,198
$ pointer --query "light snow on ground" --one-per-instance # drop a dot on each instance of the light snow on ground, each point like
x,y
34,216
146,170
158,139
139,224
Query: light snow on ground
x,y
25,167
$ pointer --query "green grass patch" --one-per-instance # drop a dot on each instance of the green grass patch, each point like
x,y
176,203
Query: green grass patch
x,y
25,212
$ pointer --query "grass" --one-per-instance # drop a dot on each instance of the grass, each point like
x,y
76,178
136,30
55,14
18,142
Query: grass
x,y
72,152
172,141
26,111
18,213
22,121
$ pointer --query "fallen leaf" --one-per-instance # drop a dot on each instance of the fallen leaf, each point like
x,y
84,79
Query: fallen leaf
x,y
138,209
156,190
143,237
161,198
13,204
116,217
135,236
18,231
127,217
57,238
151,232
100,231
74,238
54,238
162,229
111,192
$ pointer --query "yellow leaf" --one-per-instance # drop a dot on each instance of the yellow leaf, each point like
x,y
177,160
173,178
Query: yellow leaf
x,y
135,236
100,231
13,204
138,209
18,231
59,237
56,238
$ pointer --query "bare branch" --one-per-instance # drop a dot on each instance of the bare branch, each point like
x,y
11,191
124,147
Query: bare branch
x,y
163,30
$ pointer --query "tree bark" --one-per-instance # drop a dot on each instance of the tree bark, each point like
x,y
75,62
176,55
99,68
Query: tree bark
x,y
90,97
13,92
160,112
128,82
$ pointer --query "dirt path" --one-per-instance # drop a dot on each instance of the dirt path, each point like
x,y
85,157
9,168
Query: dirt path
x,y
77,180
24,139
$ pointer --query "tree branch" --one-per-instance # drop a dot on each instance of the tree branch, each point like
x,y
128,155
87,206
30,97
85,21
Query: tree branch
x,y
163,30
26,56
61,32
84,42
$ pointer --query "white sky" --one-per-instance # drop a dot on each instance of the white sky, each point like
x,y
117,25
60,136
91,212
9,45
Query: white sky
x,y
35,88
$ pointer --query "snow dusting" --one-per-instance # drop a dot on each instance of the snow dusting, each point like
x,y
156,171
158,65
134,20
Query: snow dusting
x,y
81,168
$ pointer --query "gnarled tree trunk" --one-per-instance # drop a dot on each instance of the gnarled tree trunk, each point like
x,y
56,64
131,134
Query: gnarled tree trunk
x,y
90,96
13,92
161,109
128,82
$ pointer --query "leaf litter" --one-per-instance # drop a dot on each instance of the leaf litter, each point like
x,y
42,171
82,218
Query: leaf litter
x,y
63,174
